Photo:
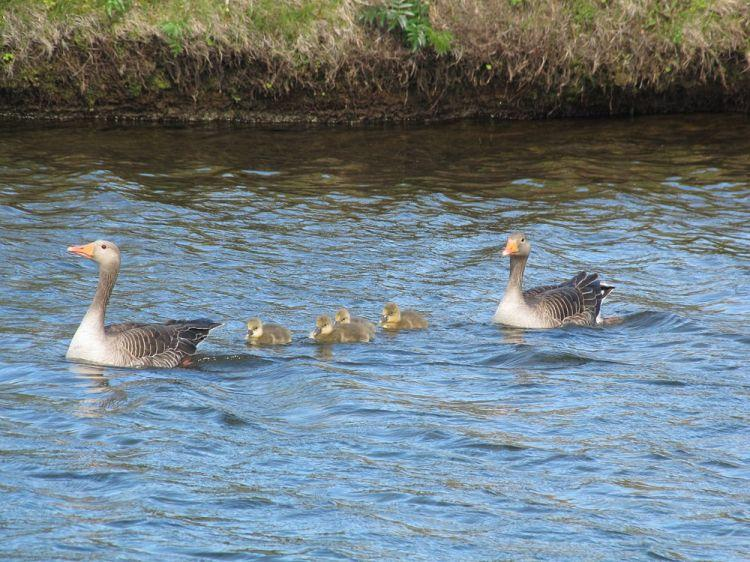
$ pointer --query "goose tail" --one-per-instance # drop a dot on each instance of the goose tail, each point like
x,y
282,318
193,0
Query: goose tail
x,y
604,291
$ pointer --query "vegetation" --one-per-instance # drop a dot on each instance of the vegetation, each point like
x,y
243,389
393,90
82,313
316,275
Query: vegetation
x,y
372,59
413,19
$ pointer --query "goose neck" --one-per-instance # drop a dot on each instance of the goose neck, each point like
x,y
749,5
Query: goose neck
x,y
95,314
515,279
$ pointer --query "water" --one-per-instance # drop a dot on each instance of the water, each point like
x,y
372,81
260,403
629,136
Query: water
x,y
467,441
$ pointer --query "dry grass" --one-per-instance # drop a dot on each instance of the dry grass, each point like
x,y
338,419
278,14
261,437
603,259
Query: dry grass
x,y
508,57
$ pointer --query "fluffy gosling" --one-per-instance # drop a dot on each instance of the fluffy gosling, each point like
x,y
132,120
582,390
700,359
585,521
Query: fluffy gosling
x,y
392,318
259,333
343,317
326,332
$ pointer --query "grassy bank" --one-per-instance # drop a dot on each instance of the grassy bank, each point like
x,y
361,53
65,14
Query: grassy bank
x,y
351,60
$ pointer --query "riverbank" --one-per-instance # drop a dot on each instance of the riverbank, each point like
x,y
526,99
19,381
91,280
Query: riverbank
x,y
338,61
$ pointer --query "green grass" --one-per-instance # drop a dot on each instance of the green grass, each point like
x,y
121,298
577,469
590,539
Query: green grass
x,y
584,11
540,54
289,20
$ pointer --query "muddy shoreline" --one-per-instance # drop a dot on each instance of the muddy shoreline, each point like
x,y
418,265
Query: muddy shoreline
x,y
399,107
320,62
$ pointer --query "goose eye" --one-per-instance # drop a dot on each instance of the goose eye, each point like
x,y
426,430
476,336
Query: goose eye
x,y
523,239
104,246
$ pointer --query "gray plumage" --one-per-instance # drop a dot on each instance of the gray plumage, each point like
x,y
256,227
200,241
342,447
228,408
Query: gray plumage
x,y
159,345
130,344
577,301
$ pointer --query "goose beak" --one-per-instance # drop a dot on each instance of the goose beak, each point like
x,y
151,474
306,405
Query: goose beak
x,y
510,248
314,333
86,251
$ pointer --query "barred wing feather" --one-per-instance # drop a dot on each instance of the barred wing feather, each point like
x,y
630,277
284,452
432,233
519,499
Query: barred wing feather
x,y
575,302
160,345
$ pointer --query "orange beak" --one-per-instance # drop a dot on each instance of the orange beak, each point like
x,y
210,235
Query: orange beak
x,y
510,248
86,251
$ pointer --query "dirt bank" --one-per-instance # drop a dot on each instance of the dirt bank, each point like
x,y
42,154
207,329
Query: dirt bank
x,y
327,61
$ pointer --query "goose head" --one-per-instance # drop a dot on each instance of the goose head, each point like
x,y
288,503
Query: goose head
x,y
254,328
343,316
391,313
103,252
323,326
518,245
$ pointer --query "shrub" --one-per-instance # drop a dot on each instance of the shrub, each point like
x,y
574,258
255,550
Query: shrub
x,y
412,18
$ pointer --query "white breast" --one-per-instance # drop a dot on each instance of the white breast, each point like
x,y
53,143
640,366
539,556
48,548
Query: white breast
x,y
516,313
87,345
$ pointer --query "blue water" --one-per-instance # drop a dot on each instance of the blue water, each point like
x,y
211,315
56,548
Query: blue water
x,y
466,441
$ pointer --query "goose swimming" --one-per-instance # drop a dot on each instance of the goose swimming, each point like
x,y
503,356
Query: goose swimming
x,y
393,318
577,301
130,344
265,333
326,332
343,317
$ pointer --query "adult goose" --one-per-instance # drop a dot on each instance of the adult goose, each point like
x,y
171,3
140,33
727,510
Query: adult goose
x,y
577,301
130,344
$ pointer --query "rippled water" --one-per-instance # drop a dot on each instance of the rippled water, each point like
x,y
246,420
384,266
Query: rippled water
x,y
467,441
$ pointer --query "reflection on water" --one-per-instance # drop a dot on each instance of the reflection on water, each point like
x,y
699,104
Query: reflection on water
x,y
458,442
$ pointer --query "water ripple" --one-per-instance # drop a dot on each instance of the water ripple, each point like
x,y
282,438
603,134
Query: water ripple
x,y
456,443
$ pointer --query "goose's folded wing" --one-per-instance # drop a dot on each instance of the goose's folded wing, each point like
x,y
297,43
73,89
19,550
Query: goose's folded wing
x,y
114,329
536,291
162,345
574,302
558,304
581,276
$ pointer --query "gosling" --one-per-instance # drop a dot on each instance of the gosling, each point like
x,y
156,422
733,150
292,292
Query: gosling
x,y
393,318
326,332
343,317
259,333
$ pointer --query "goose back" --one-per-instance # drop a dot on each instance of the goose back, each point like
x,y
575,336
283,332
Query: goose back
x,y
157,345
577,301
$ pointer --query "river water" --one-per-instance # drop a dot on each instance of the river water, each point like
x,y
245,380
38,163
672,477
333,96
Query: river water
x,y
466,441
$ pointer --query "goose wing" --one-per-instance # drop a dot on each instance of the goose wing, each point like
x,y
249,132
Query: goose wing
x,y
574,302
546,288
160,345
529,293
114,329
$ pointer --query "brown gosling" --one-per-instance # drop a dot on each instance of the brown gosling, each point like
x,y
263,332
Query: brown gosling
x,y
393,318
259,333
326,332
343,317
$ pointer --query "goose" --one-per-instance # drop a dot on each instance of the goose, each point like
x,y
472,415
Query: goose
x,y
326,332
343,317
577,301
393,318
131,344
265,333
